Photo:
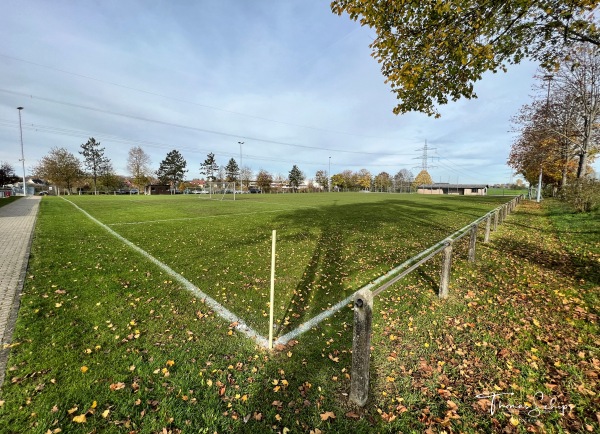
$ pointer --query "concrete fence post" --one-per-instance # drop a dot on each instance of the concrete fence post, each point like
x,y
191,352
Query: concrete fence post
x,y
472,242
495,220
488,224
361,347
445,273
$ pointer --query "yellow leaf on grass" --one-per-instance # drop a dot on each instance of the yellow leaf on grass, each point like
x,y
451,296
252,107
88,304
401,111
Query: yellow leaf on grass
x,y
80,419
514,421
84,369
105,413
170,362
327,415
72,410
94,404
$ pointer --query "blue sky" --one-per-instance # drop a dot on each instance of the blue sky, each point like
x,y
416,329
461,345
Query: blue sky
x,y
291,80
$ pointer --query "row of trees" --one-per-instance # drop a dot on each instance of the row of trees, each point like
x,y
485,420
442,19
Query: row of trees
x,y
402,181
560,129
65,170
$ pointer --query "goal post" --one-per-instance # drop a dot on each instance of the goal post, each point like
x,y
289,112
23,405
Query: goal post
x,y
221,190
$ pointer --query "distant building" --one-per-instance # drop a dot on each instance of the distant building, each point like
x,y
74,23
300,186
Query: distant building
x,y
157,189
457,189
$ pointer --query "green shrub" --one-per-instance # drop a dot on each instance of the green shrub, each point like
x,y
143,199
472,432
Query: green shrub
x,y
583,195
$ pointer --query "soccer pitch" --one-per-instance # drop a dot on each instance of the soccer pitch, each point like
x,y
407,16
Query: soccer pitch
x,y
328,245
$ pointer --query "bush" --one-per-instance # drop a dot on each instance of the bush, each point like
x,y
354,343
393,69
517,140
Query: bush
x,y
583,195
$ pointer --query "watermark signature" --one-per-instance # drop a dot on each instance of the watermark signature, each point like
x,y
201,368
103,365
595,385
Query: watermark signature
x,y
539,406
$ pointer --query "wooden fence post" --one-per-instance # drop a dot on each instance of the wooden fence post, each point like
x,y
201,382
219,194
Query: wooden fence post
x,y
472,242
445,274
361,347
488,224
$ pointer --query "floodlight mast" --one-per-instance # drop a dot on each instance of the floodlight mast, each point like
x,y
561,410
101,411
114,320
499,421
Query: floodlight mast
x,y
241,161
548,78
329,177
22,153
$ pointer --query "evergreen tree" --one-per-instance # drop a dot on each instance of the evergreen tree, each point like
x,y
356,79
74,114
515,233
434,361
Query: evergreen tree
x,y
232,171
295,177
93,159
209,167
172,169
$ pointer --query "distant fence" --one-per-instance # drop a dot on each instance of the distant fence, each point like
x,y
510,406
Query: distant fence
x,y
363,299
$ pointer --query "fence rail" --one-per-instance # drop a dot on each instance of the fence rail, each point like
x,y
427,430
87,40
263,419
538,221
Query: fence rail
x,y
363,298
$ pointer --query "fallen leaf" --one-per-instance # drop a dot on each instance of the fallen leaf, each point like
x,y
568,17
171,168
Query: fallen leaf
x,y
80,419
117,386
327,415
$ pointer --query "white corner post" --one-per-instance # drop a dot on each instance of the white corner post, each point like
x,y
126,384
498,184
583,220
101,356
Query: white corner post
x,y
272,297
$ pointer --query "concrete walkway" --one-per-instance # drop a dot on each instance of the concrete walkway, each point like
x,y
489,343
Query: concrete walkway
x,y
17,221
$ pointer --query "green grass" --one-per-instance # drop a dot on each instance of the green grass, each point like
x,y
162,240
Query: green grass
x,y
516,321
328,246
493,191
6,200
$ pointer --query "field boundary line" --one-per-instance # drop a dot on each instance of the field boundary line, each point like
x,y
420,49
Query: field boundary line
x,y
189,286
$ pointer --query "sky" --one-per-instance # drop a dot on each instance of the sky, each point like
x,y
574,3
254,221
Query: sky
x,y
291,80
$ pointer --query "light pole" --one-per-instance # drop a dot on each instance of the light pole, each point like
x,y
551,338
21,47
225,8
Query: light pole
x,y
329,177
241,179
547,78
22,153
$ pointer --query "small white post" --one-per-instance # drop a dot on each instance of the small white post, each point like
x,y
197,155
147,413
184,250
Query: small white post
x,y
272,299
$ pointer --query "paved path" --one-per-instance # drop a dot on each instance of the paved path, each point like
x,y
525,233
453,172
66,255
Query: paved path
x,y
17,221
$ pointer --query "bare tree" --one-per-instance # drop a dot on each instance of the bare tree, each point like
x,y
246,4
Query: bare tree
x,y
579,77
246,175
138,165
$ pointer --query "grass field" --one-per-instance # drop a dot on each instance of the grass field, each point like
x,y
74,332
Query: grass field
x,y
328,245
494,191
106,341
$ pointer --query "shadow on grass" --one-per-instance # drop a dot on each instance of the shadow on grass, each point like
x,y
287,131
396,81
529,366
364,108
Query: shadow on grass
x,y
565,264
327,277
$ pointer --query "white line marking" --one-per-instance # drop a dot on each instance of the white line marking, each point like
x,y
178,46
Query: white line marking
x,y
215,305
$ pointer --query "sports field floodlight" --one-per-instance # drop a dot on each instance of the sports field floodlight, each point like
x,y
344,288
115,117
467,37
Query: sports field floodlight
x,y
22,154
241,180
329,177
